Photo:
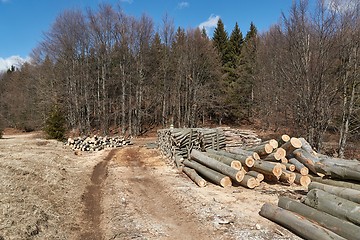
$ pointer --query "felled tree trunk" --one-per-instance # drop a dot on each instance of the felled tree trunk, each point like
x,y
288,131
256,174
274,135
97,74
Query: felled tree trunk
x,y
217,166
299,166
245,160
336,183
262,149
244,153
333,205
249,182
346,193
267,168
302,180
306,158
192,174
291,145
297,224
228,161
212,175
341,227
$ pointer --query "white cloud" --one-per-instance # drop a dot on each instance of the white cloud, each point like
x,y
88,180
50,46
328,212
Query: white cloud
x,y
183,5
17,61
210,23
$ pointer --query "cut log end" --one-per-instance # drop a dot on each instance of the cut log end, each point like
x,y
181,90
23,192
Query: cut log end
x,y
285,138
274,143
225,182
295,142
240,176
268,148
249,161
236,165
302,180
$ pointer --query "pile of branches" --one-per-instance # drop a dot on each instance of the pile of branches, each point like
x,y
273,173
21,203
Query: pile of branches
x,y
177,143
97,143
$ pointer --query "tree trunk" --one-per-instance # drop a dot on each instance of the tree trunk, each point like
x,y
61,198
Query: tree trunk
x,y
256,175
267,168
283,139
291,145
336,183
299,166
341,227
346,193
246,153
249,182
334,205
262,149
245,160
302,180
296,223
212,175
228,161
192,174
306,158
287,177
307,147
217,166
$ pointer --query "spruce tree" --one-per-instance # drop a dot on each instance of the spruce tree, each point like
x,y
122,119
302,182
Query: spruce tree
x,y
236,42
55,124
220,40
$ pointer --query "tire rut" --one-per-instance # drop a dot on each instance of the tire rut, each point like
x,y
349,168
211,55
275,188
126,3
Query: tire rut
x,y
92,200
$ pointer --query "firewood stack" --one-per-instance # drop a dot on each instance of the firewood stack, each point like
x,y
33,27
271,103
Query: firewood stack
x,y
177,143
239,137
96,143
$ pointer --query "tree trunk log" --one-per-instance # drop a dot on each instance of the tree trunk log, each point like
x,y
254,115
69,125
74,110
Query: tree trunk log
x,y
287,176
245,153
346,193
257,175
262,149
302,180
296,223
338,170
283,139
307,147
305,158
336,183
299,166
192,174
291,145
290,167
245,160
267,168
228,161
249,182
272,142
334,205
341,227
217,166
212,175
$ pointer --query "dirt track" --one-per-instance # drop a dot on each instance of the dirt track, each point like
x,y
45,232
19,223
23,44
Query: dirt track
x,y
48,192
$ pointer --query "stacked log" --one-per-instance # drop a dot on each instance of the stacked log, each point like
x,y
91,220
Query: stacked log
x,y
180,141
236,138
334,210
96,143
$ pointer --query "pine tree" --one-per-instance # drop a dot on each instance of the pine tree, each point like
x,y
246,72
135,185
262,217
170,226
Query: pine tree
x,y
55,124
220,40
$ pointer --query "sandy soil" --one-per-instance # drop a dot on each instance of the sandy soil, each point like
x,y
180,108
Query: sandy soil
x,y
49,192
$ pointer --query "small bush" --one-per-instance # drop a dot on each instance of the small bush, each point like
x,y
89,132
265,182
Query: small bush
x,y
55,124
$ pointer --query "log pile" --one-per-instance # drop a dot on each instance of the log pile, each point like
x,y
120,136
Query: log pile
x,y
327,212
96,143
236,138
177,143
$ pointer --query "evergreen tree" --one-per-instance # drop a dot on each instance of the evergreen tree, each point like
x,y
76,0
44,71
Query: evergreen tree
x,y
55,124
235,43
221,40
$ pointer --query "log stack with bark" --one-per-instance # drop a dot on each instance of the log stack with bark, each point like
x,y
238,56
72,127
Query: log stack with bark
x,y
97,143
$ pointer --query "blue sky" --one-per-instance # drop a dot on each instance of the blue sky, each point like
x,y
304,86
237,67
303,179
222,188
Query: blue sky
x,y
23,22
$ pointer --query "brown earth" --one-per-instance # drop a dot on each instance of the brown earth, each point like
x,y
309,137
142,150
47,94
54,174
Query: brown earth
x,y
48,192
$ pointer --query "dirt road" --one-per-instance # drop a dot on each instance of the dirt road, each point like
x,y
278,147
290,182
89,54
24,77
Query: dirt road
x,y
48,192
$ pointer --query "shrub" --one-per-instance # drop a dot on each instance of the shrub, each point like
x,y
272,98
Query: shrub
x,y
55,124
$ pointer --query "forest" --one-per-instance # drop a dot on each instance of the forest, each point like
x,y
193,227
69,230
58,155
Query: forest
x,y
104,70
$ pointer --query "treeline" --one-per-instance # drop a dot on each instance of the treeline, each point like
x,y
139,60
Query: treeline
x,y
105,70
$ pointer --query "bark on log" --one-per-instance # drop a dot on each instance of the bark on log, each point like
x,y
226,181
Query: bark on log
x,y
216,165
257,175
179,161
299,166
291,145
228,161
338,170
287,176
284,160
290,167
272,142
341,227
296,223
262,149
302,180
306,158
192,174
335,183
334,205
249,182
245,153
245,160
212,175
276,156
267,168
346,193
307,147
